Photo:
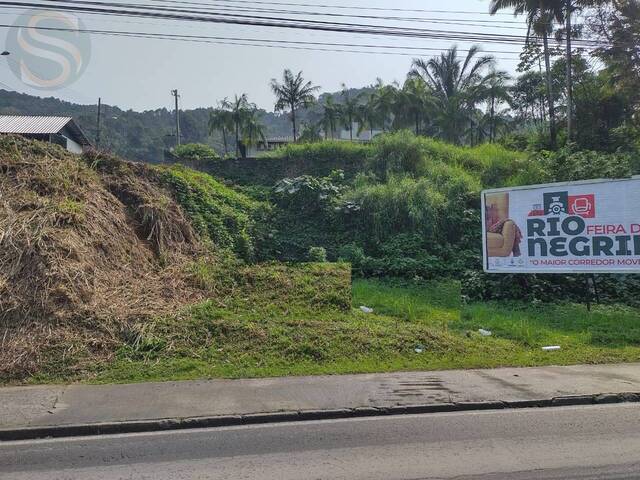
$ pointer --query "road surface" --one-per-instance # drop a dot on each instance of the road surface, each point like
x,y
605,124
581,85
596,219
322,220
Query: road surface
x,y
554,443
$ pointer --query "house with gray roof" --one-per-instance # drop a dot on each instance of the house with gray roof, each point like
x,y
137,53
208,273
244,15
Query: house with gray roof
x,y
60,130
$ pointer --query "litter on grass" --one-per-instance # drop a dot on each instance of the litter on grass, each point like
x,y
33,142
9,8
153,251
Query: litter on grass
x,y
419,348
366,309
551,348
484,333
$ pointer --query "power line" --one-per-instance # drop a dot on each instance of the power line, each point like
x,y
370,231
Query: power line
x,y
449,21
345,7
260,42
179,14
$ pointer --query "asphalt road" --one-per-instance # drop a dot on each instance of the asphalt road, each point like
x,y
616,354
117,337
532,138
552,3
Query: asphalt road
x,y
553,443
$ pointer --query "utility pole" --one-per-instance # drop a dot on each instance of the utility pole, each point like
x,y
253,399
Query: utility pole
x,y
569,76
175,94
98,123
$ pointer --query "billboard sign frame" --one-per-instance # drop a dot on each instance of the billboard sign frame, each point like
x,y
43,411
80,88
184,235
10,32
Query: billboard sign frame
x,y
552,270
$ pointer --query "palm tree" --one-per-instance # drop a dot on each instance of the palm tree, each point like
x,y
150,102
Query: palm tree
x,y
350,108
330,116
412,103
384,100
455,86
220,120
238,110
368,115
570,7
495,92
293,93
253,130
540,16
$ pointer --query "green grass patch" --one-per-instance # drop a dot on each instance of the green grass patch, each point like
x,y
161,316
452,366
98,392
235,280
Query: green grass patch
x,y
277,319
276,333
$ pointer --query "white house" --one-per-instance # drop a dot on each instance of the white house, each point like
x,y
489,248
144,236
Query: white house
x,y
60,130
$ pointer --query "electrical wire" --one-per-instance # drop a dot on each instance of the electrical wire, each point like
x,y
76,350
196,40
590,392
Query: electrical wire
x,y
180,14
261,42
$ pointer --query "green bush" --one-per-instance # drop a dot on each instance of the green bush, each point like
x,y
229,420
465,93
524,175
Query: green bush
x,y
326,151
317,254
569,165
229,219
195,151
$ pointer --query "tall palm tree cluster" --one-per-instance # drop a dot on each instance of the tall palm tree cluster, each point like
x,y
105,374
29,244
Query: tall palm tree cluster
x,y
543,16
456,98
461,98
238,119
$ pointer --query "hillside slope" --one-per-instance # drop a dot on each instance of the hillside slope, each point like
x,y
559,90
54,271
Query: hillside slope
x,y
83,250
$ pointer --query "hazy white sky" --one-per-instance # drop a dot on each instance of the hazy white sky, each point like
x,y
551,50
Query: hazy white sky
x,y
139,73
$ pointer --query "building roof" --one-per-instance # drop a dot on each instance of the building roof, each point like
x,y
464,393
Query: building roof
x,y
41,125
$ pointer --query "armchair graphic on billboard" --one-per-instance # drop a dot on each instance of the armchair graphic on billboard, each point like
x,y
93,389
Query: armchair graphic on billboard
x,y
582,206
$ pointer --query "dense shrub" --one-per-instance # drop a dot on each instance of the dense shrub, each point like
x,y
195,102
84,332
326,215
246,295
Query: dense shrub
x,y
403,152
568,165
229,219
195,151
413,211
477,285
317,254
326,151
307,193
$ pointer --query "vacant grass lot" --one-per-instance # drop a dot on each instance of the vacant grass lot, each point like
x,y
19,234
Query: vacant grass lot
x,y
265,332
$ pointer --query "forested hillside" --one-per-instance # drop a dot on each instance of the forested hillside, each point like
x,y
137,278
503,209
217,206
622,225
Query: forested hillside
x,y
142,136
135,135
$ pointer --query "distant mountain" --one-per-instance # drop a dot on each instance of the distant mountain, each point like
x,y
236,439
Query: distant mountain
x,y
143,135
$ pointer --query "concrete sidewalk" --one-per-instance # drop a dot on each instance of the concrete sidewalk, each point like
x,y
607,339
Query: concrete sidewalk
x,y
58,406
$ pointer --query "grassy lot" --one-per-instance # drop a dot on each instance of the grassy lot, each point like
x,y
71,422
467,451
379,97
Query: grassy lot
x,y
295,324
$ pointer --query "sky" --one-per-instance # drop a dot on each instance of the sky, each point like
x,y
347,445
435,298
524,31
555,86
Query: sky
x,y
139,73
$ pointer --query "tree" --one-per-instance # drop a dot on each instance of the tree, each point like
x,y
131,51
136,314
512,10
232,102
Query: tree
x,y
384,100
350,109
311,132
253,129
540,16
496,92
220,120
456,87
617,25
527,97
330,116
292,94
238,111
368,115
413,101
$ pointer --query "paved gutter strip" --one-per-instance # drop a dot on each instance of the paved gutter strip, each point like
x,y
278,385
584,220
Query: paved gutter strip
x,y
30,433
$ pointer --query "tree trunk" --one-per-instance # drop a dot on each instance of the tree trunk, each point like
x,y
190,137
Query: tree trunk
x,y
417,124
224,140
547,64
293,122
492,118
237,139
569,76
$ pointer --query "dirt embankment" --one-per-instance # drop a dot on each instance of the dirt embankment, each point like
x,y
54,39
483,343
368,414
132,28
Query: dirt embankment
x,y
88,245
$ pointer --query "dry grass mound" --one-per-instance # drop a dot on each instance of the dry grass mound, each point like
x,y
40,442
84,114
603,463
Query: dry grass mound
x,y
87,245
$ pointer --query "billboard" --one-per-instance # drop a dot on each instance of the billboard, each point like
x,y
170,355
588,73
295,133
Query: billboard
x,y
575,227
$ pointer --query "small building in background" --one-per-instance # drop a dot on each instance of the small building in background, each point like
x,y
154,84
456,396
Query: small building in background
x,y
268,145
59,130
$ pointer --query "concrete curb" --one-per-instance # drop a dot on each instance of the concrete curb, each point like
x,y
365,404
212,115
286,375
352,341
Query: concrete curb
x,y
79,430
